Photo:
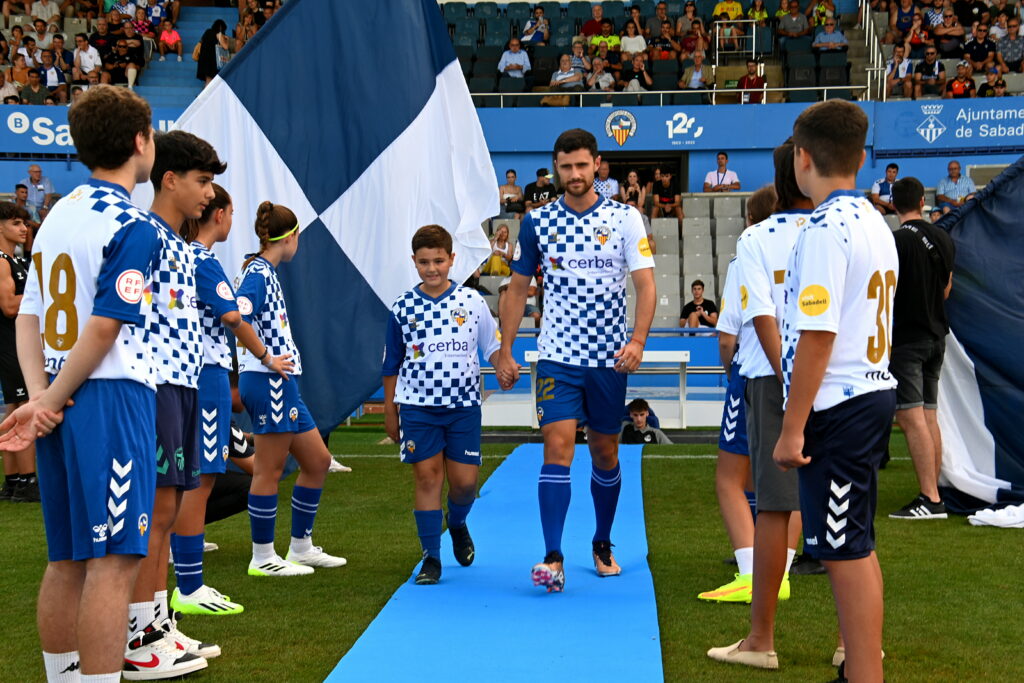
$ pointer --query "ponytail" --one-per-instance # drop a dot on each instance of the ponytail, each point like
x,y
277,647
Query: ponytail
x,y
273,222
221,200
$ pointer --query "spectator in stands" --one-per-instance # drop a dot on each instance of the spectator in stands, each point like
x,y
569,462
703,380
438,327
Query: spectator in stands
x,y
511,197
918,38
101,39
16,7
929,75
143,26
541,192
83,9
665,46
62,57
753,80
579,60
514,62
979,51
728,33
115,24
792,25
269,8
901,18
501,253
636,78
1000,86
42,36
532,305
667,200
86,60
970,11
731,8
32,54
606,36
76,93
919,329
881,190
136,50
638,431
818,11
954,190
537,29
118,68
18,73
632,41
53,78
721,179
988,88
600,80
685,21
566,79
633,193
899,73
697,40
1010,50
949,36
698,76
246,29
604,184
612,60
961,87
213,38
593,25
35,92
932,13
46,10
125,8
998,30
653,27
12,99
170,41
21,200
758,13
997,7
8,89
830,39
700,312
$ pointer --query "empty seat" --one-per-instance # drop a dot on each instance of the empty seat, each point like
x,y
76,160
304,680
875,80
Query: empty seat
x,y
726,244
729,225
667,244
699,225
517,10
696,244
694,263
893,221
552,10
485,10
695,207
727,206
664,81
723,264
666,263
664,226
467,27
453,10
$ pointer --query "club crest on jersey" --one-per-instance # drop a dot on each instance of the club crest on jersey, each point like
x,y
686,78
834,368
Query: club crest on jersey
x,y
412,322
172,263
417,351
459,316
602,233
540,412
409,446
556,262
293,414
224,453
143,523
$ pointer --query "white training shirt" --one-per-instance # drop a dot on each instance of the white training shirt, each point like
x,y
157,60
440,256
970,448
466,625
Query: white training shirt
x,y
841,278
584,259
94,255
762,252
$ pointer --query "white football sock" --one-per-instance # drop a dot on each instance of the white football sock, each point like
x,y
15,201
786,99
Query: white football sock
x,y
301,545
61,667
101,678
160,606
140,615
790,554
263,551
744,560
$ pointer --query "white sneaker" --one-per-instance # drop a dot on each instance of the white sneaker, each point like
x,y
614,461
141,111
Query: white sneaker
x,y
275,566
179,58
151,656
205,600
210,547
186,644
162,59
316,558
336,466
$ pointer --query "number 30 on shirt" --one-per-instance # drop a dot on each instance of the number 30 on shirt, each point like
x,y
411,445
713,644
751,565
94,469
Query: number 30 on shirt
x,y
881,287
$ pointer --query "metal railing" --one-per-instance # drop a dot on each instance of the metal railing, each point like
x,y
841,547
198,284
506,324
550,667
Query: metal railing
x,y
748,36
510,100
876,60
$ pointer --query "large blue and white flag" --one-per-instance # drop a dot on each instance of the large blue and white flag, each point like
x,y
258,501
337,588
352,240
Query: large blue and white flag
x,y
356,116
981,392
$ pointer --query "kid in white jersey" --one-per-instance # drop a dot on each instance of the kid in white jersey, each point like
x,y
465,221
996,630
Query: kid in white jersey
x,y
840,398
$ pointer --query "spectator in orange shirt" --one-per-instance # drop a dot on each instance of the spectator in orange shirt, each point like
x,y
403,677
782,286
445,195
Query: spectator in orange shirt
x,y
170,40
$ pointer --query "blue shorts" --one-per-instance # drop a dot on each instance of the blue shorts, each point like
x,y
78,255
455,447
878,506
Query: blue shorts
x,y
733,436
177,452
214,419
839,487
96,472
425,431
569,392
273,404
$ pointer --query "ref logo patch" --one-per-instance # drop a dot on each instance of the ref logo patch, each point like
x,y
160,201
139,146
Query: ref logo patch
x,y
244,305
743,297
131,286
814,300
459,316
644,247
224,291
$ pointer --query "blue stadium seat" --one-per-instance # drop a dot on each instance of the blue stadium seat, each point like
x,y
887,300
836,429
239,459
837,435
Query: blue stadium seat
x,y
705,8
663,66
489,53
454,10
464,53
467,27
464,40
564,42
485,69
687,98
518,10
674,8
547,51
482,83
552,10
614,10
763,41
803,96
646,7
826,59
665,81
794,45
496,40
578,9
802,60
485,10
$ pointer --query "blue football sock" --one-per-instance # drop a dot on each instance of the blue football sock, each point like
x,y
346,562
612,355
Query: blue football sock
x,y
305,502
752,501
428,526
262,515
188,562
554,492
457,514
604,487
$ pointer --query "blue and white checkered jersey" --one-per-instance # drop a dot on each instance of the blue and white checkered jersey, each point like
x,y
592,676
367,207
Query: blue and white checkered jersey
x,y
841,278
432,345
216,298
94,256
261,303
172,324
584,259
762,253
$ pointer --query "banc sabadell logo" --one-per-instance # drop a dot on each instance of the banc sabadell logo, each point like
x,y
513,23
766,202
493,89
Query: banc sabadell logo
x,y
46,132
931,129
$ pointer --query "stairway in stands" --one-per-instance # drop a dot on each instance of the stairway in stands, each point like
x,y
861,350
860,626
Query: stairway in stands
x,y
172,83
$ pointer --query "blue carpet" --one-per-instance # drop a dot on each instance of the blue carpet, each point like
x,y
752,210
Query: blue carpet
x,y
488,622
